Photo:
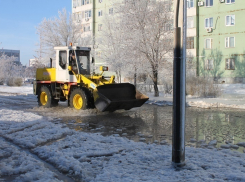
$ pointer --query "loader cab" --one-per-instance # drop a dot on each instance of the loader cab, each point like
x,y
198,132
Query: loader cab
x,y
77,57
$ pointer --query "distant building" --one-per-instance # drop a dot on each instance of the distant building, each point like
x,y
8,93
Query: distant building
x,y
90,14
32,62
215,35
10,53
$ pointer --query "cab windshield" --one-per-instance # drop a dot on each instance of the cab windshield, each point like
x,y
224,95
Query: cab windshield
x,y
83,62
79,60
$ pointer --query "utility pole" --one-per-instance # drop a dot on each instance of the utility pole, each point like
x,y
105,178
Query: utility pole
x,y
179,97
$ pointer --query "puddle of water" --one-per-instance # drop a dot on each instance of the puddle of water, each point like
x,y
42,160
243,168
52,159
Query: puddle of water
x,y
154,124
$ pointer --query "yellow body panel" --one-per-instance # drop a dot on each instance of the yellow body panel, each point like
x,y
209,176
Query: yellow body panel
x,y
46,74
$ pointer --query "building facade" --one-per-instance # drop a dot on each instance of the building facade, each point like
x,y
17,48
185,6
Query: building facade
x,y
10,53
215,38
91,14
82,11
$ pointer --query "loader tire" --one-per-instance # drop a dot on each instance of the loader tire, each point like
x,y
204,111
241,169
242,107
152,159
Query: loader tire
x,y
78,99
44,97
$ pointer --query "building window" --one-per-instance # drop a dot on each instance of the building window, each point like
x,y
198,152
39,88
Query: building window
x,y
209,22
208,43
74,3
209,2
190,3
86,27
77,17
87,14
230,1
190,43
74,16
229,42
100,13
190,22
78,3
84,2
110,11
230,20
99,27
230,64
209,64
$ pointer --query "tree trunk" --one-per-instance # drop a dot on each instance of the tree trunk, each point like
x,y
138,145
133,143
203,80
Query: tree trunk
x,y
156,90
155,77
119,76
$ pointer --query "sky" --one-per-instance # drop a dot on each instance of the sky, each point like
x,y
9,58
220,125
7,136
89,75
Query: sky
x,y
18,22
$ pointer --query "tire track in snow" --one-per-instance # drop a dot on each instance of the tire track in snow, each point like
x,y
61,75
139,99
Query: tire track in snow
x,y
60,176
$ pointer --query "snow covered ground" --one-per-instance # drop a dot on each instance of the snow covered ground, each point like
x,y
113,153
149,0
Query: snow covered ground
x,y
24,90
233,96
33,148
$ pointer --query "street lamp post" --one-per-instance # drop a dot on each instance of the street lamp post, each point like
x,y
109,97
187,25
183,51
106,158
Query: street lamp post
x,y
179,97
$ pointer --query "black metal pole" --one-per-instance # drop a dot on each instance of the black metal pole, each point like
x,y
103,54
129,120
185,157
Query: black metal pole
x,y
135,76
178,133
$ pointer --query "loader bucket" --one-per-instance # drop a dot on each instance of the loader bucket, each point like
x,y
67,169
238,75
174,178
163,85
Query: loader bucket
x,y
113,97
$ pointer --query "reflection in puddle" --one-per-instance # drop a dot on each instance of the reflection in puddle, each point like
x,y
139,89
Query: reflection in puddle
x,y
222,128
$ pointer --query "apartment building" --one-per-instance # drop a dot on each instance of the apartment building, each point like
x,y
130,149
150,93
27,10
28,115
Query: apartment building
x,y
91,14
82,12
215,38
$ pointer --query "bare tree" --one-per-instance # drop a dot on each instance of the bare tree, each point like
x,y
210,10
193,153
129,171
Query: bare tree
x,y
57,31
110,41
141,40
9,68
149,24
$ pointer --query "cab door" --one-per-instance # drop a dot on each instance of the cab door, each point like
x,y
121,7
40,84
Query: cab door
x,y
62,68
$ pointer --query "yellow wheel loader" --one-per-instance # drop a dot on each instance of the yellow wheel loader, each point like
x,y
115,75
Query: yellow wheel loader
x,y
70,79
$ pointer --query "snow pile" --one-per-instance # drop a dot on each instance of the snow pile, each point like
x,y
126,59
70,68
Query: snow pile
x,y
24,90
159,103
203,104
233,89
18,163
233,96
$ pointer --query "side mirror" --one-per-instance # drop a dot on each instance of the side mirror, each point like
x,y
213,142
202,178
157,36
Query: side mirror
x,y
93,60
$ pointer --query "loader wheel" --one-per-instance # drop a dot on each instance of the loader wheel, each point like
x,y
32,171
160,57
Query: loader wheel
x,y
44,97
78,99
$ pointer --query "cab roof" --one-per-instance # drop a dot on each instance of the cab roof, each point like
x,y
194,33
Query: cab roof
x,y
72,48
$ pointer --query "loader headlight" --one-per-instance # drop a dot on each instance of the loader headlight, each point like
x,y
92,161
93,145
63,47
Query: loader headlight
x,y
103,68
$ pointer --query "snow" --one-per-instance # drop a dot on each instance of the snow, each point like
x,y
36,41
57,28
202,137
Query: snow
x,y
233,96
24,90
16,162
93,157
